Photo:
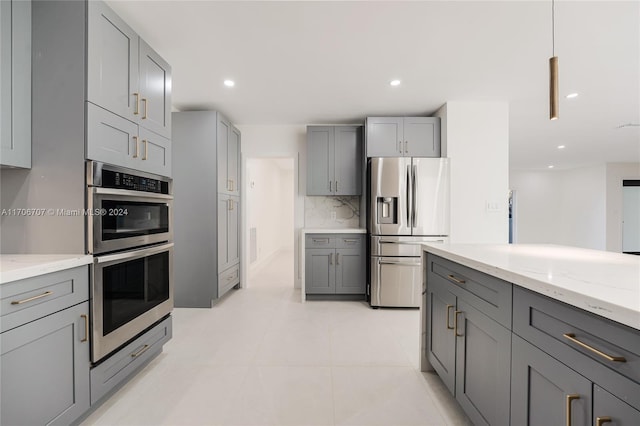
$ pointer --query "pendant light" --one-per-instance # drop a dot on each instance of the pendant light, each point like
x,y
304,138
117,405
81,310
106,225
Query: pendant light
x,y
553,70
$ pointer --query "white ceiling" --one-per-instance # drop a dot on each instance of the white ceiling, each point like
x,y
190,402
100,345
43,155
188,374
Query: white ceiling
x,y
331,62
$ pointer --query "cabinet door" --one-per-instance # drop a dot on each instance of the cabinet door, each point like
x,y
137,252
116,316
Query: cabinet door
x,y
609,410
111,138
233,231
483,356
320,160
384,137
421,137
222,143
233,161
541,386
45,369
112,62
348,160
15,83
155,153
155,91
223,244
441,344
350,271
320,271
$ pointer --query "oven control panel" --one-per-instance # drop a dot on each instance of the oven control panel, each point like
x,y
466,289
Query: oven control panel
x,y
120,180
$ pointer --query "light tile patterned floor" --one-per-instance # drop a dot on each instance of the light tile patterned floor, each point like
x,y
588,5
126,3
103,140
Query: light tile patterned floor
x,y
261,357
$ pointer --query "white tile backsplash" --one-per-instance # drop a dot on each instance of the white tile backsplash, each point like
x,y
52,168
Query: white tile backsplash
x,y
318,212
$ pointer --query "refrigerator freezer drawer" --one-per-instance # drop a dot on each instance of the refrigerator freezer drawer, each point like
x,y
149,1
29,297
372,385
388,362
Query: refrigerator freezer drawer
x,y
401,246
396,282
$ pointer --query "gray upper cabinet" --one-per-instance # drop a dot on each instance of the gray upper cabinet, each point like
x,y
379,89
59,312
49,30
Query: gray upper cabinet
x,y
112,62
403,136
155,91
111,138
334,160
15,83
154,152
228,143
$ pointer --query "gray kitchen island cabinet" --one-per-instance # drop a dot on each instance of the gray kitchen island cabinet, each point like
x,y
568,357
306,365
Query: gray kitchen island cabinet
x,y
471,351
403,136
44,348
335,264
334,160
15,83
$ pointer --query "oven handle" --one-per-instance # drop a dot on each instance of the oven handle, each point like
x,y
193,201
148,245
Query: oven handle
x,y
132,254
129,193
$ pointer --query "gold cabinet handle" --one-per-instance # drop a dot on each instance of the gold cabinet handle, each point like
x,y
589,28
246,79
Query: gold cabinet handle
x,y
455,323
455,280
449,307
324,240
570,398
135,145
31,299
572,337
230,204
86,327
602,420
145,104
337,258
406,147
136,109
330,258
145,144
140,352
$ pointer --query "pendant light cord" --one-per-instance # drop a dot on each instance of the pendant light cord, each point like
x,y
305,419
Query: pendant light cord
x,y
553,28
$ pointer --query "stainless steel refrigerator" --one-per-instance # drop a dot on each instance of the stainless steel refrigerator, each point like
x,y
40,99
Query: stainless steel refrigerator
x,y
409,205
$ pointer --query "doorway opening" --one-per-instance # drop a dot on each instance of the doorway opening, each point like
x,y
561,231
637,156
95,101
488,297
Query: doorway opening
x,y
631,216
270,220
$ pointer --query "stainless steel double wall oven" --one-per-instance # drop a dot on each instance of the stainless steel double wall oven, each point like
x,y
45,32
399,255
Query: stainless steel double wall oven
x,y
130,234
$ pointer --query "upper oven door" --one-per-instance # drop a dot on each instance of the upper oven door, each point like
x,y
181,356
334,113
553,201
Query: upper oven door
x,y
122,219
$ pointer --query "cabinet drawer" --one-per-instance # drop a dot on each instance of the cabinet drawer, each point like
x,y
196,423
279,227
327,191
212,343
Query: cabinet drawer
x,y
320,241
583,340
486,293
119,366
227,279
32,298
354,241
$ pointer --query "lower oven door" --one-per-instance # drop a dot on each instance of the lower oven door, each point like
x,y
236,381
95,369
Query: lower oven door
x,y
130,292
396,281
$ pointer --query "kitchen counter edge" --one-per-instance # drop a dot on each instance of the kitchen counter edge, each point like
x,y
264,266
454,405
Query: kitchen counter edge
x,y
14,267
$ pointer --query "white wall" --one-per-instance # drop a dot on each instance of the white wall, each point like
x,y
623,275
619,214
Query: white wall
x,y
270,205
475,136
579,207
616,173
276,142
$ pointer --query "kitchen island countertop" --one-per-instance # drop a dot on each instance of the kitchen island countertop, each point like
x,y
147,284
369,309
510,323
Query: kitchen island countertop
x,y
601,282
15,267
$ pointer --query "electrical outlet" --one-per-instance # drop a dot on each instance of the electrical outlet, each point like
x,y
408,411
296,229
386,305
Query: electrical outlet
x,y
333,215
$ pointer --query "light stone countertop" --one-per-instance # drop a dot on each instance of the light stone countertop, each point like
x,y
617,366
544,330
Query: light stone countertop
x,y
15,267
601,282
334,230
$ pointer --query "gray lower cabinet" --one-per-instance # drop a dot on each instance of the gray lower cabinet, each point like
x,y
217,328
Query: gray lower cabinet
x,y
607,409
403,136
470,351
15,83
45,369
544,391
228,231
335,264
334,160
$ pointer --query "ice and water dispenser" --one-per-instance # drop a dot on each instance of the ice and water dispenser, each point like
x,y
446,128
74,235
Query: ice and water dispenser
x,y
387,210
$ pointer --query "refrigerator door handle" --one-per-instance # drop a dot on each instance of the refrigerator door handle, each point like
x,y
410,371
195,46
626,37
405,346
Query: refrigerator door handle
x,y
409,199
414,186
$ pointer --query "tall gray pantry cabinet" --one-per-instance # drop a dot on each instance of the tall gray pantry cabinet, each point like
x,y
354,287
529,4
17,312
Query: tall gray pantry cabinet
x,y
206,171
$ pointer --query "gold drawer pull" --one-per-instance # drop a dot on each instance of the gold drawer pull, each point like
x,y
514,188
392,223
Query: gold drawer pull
x,y
350,241
448,315
456,280
140,352
323,241
144,102
602,420
455,323
572,337
40,296
570,398
136,109
86,327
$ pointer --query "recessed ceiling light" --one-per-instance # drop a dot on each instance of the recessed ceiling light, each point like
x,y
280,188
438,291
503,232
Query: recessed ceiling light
x,y
550,166
561,147
229,83
395,82
572,95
